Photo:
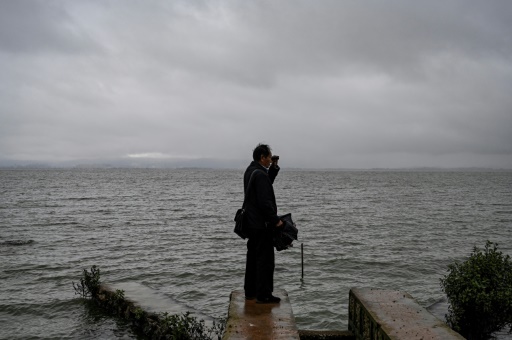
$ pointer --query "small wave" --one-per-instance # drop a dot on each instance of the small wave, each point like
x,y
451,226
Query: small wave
x,y
17,242
86,198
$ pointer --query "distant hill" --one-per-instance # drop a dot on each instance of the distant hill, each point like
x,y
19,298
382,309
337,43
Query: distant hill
x,y
202,163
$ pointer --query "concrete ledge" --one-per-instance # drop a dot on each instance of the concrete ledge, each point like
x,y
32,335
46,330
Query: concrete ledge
x,y
250,320
152,301
325,335
153,321
388,314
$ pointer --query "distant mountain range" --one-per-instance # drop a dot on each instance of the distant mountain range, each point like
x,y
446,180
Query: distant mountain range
x,y
127,163
202,163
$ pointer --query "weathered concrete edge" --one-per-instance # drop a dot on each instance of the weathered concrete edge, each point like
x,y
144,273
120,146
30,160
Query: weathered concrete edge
x,y
249,320
325,335
361,308
149,324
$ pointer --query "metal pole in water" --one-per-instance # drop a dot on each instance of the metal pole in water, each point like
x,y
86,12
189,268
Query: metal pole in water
x,y
302,259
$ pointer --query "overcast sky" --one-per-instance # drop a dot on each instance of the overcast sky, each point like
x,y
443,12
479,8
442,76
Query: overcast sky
x,y
349,84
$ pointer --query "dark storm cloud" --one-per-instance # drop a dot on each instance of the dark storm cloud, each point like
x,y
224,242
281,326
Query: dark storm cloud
x,y
328,84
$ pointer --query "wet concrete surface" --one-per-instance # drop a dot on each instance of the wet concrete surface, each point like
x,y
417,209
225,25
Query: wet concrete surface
x,y
153,301
401,317
250,320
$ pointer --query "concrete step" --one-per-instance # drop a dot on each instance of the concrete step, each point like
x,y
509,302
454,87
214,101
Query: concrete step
x,y
250,320
390,314
154,301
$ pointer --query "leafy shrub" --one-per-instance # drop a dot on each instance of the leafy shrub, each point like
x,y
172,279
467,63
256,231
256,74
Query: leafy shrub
x,y
89,285
184,326
479,291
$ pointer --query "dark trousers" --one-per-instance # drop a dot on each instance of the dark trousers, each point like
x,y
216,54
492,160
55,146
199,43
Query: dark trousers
x,y
259,266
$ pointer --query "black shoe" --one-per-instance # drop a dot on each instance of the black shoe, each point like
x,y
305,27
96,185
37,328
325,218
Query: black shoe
x,y
268,299
249,295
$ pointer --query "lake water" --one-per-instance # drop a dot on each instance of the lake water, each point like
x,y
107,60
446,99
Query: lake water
x,y
172,232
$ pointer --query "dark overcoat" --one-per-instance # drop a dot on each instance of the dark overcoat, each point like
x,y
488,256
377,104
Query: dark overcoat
x,y
260,203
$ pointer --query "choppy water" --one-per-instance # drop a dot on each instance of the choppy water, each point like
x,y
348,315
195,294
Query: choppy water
x,y
171,230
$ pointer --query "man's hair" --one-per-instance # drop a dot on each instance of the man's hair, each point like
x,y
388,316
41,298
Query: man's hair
x,y
261,150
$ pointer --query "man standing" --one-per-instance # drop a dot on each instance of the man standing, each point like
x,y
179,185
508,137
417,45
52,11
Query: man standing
x,y
260,220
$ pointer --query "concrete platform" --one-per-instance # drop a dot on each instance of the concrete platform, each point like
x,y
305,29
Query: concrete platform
x,y
389,314
154,301
250,320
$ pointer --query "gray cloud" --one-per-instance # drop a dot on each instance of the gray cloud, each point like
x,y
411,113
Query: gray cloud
x,y
327,84
32,27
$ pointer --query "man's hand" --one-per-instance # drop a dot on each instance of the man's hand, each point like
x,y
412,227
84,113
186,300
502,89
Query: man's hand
x,y
279,224
275,159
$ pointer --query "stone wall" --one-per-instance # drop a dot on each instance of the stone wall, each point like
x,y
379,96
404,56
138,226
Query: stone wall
x,y
387,314
154,325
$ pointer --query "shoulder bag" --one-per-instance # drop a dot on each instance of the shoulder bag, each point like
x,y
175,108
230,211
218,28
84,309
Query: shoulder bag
x,y
239,216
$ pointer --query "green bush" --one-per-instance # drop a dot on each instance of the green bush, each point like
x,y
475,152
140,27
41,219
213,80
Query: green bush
x,y
185,327
479,292
89,284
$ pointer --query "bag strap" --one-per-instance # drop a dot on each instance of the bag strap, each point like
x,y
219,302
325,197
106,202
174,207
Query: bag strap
x,y
248,186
